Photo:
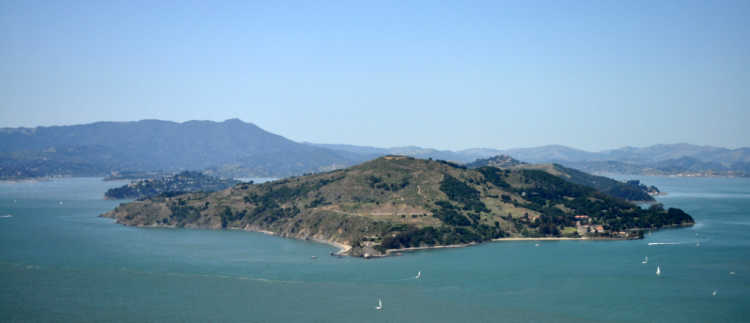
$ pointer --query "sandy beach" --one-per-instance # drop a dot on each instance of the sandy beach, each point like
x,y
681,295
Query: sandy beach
x,y
343,248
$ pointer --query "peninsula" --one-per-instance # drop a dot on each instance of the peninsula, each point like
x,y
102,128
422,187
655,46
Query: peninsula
x,y
183,182
398,202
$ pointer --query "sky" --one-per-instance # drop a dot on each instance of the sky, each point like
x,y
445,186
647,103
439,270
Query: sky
x,y
593,75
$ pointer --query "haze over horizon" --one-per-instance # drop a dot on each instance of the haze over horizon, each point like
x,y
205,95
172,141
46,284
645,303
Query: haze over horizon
x,y
588,75
407,144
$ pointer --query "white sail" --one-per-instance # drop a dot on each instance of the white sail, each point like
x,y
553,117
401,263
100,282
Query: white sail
x,y
714,293
419,275
645,260
380,305
658,270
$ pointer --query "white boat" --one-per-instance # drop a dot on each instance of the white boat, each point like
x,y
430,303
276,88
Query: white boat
x,y
419,275
714,293
658,270
380,305
645,260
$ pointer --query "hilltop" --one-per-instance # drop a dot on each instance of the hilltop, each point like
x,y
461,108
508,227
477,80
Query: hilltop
x,y
398,202
499,161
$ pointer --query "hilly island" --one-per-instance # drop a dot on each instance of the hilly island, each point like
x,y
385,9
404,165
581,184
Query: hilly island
x,y
396,202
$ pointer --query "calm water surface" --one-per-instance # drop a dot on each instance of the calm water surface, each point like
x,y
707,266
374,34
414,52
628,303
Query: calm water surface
x,y
61,263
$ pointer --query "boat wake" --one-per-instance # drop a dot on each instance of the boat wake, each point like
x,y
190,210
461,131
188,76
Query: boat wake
x,y
663,243
6,216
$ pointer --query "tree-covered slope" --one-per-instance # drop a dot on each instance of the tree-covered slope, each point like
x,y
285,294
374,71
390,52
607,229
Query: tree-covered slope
x,y
603,184
398,202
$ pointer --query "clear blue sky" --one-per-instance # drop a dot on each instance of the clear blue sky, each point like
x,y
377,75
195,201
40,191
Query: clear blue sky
x,y
592,75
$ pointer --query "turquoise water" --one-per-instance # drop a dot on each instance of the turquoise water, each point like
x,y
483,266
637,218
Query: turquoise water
x,y
60,262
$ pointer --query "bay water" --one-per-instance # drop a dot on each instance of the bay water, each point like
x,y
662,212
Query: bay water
x,y
60,262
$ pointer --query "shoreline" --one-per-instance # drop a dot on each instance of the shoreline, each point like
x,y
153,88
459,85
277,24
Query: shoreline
x,y
343,248
462,245
512,239
546,239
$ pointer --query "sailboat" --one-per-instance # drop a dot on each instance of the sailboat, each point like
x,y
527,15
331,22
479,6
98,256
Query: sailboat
x,y
645,260
419,275
658,270
714,293
380,305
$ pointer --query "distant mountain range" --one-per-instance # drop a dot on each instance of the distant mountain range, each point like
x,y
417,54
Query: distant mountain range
x,y
672,159
234,148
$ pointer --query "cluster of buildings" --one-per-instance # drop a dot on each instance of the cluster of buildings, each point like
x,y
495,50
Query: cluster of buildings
x,y
584,226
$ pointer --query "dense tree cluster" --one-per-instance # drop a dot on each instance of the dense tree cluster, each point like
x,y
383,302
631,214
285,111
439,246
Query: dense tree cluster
x,y
460,192
378,183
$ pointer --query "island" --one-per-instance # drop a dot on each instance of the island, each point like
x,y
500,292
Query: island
x,y
398,203
183,182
